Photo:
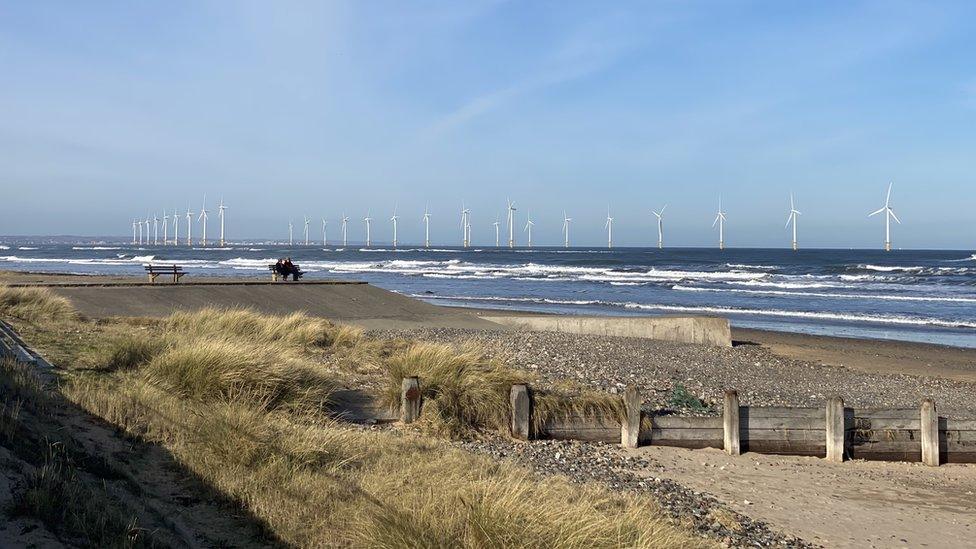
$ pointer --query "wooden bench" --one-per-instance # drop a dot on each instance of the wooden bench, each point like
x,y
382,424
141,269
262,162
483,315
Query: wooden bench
x,y
275,275
155,270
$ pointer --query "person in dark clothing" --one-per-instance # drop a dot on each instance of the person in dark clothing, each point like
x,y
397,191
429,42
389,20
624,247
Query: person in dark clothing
x,y
290,268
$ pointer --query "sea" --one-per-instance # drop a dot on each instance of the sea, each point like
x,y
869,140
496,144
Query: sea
x,y
918,295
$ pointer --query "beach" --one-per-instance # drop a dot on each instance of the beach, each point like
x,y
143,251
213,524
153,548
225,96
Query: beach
x,y
865,504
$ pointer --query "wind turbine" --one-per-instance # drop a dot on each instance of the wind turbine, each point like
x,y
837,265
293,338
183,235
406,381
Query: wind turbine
x,y
367,219
465,225
511,224
306,230
176,228
220,214
496,224
609,228
792,219
394,220
566,221
165,228
291,233
528,228
660,227
720,219
155,230
426,228
136,226
325,235
345,221
189,226
203,218
889,215
147,229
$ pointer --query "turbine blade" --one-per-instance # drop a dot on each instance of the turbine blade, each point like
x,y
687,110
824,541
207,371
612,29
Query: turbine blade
x,y
892,212
888,198
876,212
788,219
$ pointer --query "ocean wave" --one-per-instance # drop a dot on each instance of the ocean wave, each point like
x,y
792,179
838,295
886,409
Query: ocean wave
x,y
2,247
914,269
752,267
846,317
829,295
95,248
789,285
26,248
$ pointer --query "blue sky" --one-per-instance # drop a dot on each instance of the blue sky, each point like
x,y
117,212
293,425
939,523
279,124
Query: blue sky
x,y
112,109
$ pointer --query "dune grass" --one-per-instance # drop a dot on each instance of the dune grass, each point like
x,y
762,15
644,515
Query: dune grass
x,y
240,400
35,304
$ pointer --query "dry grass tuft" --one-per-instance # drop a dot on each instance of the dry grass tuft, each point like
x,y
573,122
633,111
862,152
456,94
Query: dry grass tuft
x,y
294,329
462,389
35,304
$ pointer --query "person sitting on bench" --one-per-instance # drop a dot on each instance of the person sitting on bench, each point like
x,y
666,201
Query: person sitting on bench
x,y
292,269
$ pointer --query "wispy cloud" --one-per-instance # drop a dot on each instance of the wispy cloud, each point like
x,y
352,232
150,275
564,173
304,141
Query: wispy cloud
x,y
578,57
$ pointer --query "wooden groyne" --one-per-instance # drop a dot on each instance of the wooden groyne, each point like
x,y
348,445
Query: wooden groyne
x,y
834,432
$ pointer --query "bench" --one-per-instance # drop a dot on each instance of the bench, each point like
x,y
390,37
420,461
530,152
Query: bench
x,y
275,275
155,270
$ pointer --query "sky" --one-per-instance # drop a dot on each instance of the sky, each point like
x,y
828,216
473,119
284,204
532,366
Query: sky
x,y
115,109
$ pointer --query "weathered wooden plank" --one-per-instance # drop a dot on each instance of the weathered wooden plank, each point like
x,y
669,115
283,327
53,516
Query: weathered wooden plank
x,y
409,399
880,424
782,423
630,427
693,444
521,411
780,411
858,436
687,434
818,436
893,413
835,432
785,447
959,457
730,422
959,436
960,424
930,433
678,422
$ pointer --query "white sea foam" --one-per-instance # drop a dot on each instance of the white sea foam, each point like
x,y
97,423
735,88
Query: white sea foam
x,y
891,319
755,267
26,248
95,248
2,247
829,295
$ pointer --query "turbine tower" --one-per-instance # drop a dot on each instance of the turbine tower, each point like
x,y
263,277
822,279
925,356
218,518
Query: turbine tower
x,y
367,219
660,227
146,223
136,225
496,224
720,219
189,226
889,215
306,230
345,221
426,228
325,235
203,218
291,233
133,232
155,230
528,228
792,219
220,214
566,221
511,224
609,228
165,228
465,226
394,220
176,228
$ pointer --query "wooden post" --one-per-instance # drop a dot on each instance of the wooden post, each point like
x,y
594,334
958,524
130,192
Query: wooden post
x,y
521,411
630,426
835,429
930,433
730,416
409,399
